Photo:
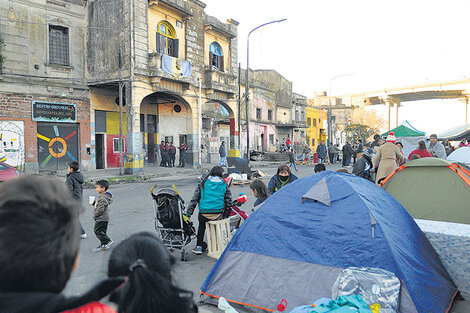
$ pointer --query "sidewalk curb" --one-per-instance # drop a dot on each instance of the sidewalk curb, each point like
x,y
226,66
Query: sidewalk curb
x,y
125,179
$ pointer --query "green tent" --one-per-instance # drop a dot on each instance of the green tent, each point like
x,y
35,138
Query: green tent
x,y
432,189
403,131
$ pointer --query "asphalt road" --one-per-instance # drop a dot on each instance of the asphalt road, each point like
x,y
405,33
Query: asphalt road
x,y
131,212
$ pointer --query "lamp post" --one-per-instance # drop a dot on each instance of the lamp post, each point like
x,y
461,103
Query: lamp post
x,y
247,86
328,113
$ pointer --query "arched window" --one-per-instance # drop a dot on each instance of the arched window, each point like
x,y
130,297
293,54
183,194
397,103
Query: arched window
x,y
166,39
216,57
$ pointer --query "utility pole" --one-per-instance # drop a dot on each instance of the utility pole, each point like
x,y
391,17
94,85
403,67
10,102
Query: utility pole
x,y
120,113
239,108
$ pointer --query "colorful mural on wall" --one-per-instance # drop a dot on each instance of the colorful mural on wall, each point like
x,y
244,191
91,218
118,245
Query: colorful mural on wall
x,y
12,143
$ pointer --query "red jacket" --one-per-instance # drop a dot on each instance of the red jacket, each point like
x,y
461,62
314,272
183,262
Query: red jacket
x,y
421,153
93,307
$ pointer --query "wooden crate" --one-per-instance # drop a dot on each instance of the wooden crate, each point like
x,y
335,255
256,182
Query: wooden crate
x,y
218,237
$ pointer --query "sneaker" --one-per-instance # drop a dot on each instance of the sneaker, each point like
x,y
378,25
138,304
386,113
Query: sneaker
x,y
98,249
197,250
106,246
83,236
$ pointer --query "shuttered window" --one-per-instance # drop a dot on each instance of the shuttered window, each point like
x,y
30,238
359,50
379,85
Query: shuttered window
x,y
216,56
59,45
166,41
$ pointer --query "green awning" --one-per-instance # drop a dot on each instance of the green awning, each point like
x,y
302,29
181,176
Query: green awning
x,y
403,131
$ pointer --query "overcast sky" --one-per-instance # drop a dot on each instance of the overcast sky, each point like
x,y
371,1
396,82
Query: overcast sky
x,y
384,44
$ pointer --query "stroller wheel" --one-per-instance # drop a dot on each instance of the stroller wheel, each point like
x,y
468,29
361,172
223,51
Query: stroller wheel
x,y
184,256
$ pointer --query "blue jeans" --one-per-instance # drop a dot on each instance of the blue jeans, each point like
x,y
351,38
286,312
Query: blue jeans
x,y
295,166
223,161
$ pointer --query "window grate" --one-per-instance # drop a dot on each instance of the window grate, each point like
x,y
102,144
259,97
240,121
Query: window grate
x,y
59,45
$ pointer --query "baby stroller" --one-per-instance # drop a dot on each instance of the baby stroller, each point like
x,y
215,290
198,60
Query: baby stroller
x,y
172,227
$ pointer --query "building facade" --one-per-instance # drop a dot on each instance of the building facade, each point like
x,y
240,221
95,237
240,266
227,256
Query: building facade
x,y
272,111
175,62
44,98
316,126
299,118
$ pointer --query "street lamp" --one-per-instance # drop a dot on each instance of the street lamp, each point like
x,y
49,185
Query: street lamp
x,y
247,87
328,114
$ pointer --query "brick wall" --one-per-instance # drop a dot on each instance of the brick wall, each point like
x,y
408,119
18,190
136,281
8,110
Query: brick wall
x,y
18,107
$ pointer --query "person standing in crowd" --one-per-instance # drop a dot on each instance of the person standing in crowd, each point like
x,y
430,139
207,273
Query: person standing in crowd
x,y
354,154
387,156
436,148
148,266
364,165
172,154
448,147
359,148
213,197
347,153
400,146
320,167
39,249
162,153
288,143
463,143
375,143
183,148
223,154
321,151
291,154
101,215
421,151
260,191
281,179
75,182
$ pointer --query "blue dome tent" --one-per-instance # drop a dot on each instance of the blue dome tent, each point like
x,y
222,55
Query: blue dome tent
x,y
296,244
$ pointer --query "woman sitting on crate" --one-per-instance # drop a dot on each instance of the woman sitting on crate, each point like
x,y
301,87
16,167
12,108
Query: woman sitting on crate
x,y
214,198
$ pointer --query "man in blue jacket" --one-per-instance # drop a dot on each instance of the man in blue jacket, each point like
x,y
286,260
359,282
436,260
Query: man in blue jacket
x,y
223,154
321,151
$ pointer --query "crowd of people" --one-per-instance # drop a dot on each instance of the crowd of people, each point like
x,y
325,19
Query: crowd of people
x,y
168,154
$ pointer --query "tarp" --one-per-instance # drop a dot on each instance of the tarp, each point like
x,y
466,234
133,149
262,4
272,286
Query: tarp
x,y
456,133
294,246
403,131
432,189
461,155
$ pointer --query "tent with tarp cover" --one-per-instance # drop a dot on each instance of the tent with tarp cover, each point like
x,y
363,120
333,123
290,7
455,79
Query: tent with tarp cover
x,y
408,136
302,237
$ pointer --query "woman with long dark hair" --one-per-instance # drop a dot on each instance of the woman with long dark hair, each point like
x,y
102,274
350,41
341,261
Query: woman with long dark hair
x,y
260,191
150,288
213,197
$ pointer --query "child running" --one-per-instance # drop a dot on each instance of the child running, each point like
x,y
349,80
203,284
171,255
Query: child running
x,y
101,215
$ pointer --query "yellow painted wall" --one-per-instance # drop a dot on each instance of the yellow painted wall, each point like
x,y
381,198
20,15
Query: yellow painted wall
x,y
157,14
209,38
315,132
112,123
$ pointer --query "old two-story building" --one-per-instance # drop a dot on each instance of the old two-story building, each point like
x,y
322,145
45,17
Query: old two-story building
x,y
175,62
44,102
273,108
299,111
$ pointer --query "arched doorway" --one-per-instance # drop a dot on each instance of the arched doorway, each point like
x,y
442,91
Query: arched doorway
x,y
165,117
218,124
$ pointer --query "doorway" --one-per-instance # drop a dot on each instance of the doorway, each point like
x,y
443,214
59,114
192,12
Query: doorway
x,y
100,151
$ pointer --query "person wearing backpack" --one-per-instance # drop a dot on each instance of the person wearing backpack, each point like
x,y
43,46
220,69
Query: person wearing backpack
x,y
213,197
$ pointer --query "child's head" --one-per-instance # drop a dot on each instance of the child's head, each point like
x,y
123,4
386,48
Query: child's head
x,y
320,167
148,265
101,186
73,166
259,189
39,235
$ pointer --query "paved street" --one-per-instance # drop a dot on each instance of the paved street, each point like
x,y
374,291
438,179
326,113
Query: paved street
x,y
132,211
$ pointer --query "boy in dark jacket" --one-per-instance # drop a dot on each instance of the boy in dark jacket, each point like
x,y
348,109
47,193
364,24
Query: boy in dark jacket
x,y
39,247
75,182
101,215
364,165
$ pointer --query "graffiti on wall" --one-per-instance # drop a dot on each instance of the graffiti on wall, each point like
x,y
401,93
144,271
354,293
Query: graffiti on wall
x,y
12,143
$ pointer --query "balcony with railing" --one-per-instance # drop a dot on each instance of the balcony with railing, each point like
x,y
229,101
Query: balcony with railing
x,y
165,66
218,80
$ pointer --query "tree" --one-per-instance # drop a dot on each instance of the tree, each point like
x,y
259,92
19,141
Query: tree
x,y
356,131
363,123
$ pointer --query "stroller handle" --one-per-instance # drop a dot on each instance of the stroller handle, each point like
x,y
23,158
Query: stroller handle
x,y
151,189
